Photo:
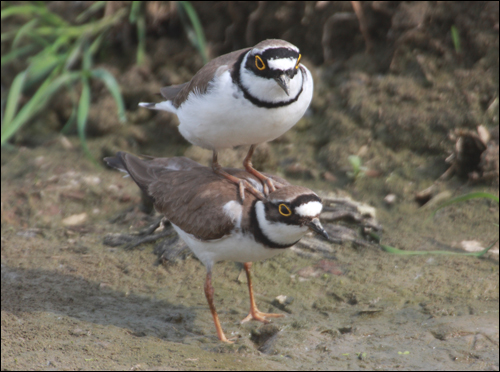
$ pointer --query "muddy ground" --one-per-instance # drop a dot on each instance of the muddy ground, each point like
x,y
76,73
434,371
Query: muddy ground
x,y
71,302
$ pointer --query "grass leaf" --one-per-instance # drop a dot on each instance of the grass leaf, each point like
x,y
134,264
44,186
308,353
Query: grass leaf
x,y
113,88
82,115
48,88
393,250
34,11
135,11
23,30
461,198
13,99
141,37
17,53
198,29
455,38
94,8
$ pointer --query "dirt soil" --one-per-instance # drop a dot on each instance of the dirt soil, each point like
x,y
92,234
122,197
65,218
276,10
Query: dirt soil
x,y
68,301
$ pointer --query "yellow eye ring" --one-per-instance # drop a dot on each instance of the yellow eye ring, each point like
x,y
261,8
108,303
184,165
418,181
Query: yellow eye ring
x,y
298,60
287,212
259,63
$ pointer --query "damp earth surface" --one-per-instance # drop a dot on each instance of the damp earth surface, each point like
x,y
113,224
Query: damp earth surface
x,y
69,301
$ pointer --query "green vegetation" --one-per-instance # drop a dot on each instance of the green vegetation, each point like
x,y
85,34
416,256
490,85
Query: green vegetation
x,y
59,55
196,35
358,170
455,38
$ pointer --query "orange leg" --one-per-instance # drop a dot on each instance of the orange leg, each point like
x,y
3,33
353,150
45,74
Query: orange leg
x,y
243,184
209,293
269,185
255,314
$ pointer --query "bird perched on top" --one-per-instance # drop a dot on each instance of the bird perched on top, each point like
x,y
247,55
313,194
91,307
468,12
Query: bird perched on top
x,y
205,211
246,97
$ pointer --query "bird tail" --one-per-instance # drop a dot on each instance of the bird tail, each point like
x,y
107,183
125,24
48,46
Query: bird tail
x,y
162,106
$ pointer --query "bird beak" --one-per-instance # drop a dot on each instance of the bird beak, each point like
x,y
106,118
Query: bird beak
x,y
316,226
284,82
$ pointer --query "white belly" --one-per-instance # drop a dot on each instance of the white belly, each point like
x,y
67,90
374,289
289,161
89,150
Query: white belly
x,y
236,247
224,118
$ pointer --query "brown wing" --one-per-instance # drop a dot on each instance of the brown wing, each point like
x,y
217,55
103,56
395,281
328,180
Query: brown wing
x,y
194,201
190,195
170,92
205,75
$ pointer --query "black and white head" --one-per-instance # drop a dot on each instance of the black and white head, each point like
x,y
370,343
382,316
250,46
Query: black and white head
x,y
287,215
272,68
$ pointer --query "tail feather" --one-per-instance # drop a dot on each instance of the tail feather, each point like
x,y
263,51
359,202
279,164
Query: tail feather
x,y
162,106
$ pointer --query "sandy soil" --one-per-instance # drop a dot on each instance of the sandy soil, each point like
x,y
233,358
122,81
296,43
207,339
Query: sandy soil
x,y
71,302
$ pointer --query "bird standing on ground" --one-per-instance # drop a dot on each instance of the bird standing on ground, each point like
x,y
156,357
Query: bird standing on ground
x,y
246,97
205,211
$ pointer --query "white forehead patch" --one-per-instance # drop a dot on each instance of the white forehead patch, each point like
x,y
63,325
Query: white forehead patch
x,y
310,209
282,64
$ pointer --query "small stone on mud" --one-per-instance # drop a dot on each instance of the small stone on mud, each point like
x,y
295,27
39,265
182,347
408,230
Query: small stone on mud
x,y
91,180
75,219
344,330
422,197
328,176
284,300
390,199
264,337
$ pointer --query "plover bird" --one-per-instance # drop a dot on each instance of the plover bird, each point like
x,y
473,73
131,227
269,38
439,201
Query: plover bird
x,y
208,215
246,97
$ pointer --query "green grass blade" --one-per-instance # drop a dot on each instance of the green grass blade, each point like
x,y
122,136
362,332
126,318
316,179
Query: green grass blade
x,y
141,37
82,115
72,118
461,198
455,38
75,54
393,250
23,30
94,8
66,128
485,250
13,100
96,44
135,11
41,67
17,53
198,29
86,56
113,88
39,100
32,11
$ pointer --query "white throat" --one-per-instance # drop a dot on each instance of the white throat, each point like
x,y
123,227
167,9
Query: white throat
x,y
268,90
278,232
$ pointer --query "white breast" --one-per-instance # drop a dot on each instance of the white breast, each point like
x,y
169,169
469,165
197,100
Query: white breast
x,y
235,247
223,118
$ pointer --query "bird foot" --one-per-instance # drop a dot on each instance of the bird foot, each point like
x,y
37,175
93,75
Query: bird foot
x,y
260,316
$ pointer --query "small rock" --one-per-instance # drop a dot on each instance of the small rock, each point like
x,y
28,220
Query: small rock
x,y
390,199
75,219
283,300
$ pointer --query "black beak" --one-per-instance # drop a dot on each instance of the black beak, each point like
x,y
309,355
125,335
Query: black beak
x,y
284,82
316,226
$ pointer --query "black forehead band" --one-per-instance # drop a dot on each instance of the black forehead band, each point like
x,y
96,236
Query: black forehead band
x,y
303,199
277,53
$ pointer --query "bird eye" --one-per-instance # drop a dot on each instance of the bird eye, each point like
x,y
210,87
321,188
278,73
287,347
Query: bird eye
x,y
284,210
298,60
259,63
